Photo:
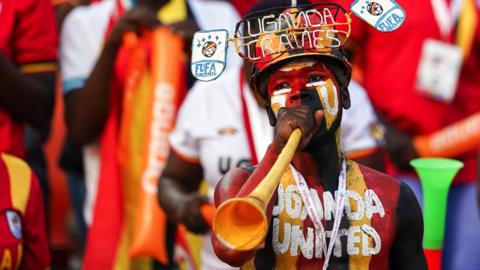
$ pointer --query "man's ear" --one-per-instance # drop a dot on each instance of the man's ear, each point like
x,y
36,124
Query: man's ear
x,y
271,116
345,96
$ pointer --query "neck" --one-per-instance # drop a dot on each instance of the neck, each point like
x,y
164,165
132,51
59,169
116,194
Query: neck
x,y
326,154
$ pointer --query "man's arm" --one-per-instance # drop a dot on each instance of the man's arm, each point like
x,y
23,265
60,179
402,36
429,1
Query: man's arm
x,y
407,250
87,107
227,188
27,75
27,96
398,144
178,193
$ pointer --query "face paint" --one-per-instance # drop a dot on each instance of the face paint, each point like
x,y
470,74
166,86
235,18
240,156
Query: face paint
x,y
277,102
307,82
327,91
298,65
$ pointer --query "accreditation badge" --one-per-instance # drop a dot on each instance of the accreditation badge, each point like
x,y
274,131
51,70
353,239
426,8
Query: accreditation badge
x,y
209,54
439,69
384,15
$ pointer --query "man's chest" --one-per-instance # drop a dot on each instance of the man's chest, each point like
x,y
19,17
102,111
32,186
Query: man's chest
x,y
366,230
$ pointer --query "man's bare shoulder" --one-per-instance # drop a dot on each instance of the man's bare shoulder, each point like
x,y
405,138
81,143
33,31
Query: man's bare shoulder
x,y
375,177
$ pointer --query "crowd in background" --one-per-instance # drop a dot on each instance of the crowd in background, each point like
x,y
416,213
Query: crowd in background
x,y
77,48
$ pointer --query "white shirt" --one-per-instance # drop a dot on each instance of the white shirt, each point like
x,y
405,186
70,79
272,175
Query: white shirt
x,y
210,129
358,121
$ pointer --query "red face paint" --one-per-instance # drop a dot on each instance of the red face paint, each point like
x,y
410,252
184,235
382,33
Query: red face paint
x,y
305,82
285,83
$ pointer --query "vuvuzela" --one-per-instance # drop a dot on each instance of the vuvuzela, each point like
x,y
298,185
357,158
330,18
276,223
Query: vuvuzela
x,y
241,223
436,176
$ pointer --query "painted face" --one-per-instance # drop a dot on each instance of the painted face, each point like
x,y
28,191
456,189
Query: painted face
x,y
305,82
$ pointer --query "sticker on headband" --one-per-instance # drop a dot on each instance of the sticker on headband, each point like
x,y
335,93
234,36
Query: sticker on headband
x,y
209,50
384,15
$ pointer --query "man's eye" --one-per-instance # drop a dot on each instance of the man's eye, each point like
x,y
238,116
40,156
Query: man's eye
x,y
314,79
282,85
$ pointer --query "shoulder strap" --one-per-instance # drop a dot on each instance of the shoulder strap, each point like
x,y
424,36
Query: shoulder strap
x,y
20,177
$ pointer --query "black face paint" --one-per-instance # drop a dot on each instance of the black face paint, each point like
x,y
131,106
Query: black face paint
x,y
311,99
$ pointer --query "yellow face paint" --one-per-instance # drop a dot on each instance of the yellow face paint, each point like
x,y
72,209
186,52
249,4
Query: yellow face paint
x,y
327,91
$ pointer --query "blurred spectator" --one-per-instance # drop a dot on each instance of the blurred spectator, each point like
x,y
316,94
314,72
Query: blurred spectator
x,y
71,160
28,45
91,38
91,44
23,234
391,63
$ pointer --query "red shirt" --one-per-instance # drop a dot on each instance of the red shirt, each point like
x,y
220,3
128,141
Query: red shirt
x,y
23,234
389,63
28,37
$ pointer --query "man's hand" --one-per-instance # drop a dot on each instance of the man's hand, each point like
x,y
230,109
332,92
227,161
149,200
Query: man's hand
x,y
133,21
300,117
188,213
85,125
399,147
185,29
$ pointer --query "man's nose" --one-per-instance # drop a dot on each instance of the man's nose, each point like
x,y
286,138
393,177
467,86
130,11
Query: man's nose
x,y
295,97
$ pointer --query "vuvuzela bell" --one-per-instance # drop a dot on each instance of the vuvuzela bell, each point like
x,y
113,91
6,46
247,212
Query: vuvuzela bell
x,y
436,176
241,223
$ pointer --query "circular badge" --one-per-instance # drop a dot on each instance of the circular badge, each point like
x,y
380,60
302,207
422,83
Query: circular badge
x,y
375,8
209,48
14,224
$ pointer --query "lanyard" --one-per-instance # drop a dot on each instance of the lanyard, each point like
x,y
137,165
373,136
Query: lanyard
x,y
258,131
445,16
313,212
